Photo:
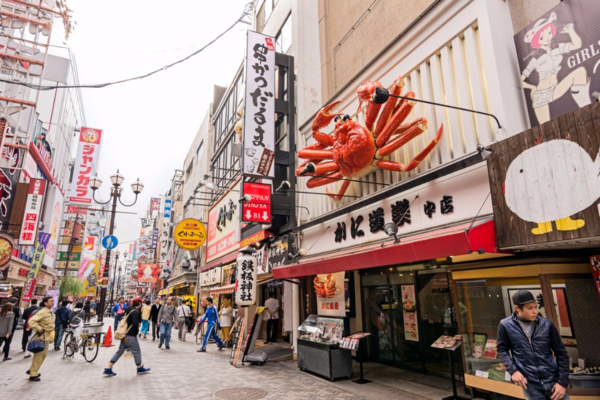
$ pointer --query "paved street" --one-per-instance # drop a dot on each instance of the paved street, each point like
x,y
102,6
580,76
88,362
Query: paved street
x,y
177,373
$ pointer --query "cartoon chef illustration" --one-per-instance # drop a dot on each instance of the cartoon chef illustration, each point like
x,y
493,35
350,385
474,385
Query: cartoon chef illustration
x,y
546,59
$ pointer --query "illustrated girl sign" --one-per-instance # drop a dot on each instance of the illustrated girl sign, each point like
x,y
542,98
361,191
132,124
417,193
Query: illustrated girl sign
x,y
558,57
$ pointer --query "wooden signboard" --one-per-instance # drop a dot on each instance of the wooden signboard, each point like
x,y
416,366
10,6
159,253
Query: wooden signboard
x,y
545,183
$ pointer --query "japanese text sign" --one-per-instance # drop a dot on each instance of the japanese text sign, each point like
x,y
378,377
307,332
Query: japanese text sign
x,y
259,114
190,234
258,208
31,218
86,164
245,285
36,264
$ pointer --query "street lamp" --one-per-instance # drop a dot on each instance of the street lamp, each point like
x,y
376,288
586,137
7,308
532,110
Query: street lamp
x,y
115,195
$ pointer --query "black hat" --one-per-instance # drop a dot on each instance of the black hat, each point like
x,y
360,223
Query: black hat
x,y
522,297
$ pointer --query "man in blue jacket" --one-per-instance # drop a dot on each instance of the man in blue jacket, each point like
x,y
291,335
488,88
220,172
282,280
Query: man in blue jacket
x,y
212,316
532,350
61,323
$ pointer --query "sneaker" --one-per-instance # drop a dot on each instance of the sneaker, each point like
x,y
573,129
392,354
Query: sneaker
x,y
167,347
34,378
109,372
160,345
202,350
141,370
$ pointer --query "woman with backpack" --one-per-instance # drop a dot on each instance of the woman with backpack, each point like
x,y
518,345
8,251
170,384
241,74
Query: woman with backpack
x,y
7,317
127,332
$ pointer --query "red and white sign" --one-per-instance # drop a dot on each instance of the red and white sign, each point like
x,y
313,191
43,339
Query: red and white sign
x,y
86,163
31,218
258,208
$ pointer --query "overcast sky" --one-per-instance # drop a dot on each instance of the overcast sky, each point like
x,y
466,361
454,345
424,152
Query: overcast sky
x,y
149,124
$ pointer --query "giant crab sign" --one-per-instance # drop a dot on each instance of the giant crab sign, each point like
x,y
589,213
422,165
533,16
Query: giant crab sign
x,y
353,150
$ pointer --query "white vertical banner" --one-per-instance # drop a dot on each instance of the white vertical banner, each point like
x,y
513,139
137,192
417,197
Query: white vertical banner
x,y
86,164
259,112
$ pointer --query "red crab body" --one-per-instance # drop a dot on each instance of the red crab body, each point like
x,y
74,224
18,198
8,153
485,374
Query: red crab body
x,y
355,150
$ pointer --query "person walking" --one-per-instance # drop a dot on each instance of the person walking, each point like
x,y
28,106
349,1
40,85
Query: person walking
x,y
7,318
146,310
166,317
17,311
272,309
532,350
212,317
183,314
26,331
154,318
118,311
130,341
62,317
42,323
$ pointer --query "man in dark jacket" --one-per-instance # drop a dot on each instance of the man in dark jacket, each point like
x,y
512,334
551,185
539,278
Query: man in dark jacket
x,y
528,345
154,318
26,314
61,323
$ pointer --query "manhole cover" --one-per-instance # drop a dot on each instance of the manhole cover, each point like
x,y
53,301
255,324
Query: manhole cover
x,y
244,393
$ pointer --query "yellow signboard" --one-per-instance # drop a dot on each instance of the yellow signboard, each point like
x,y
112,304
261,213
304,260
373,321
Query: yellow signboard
x,y
190,234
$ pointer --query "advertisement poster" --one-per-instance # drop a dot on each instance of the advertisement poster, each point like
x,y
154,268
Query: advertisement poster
x,y
88,153
595,262
147,272
559,59
36,264
411,327
329,289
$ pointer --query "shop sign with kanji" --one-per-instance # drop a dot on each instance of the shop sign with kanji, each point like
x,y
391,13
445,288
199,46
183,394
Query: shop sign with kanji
x,y
35,197
190,234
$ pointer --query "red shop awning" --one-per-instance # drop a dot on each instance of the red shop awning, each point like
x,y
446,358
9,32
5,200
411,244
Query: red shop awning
x,y
453,241
225,260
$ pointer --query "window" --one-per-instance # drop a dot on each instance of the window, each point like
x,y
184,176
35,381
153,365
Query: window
x,y
283,41
198,152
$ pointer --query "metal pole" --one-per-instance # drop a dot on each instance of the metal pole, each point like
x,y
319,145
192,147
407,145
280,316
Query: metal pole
x,y
111,228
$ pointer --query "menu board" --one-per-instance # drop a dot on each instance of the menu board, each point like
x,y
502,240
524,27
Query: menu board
x,y
409,307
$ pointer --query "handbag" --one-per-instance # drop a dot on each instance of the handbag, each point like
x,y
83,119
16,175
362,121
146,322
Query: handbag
x,y
36,345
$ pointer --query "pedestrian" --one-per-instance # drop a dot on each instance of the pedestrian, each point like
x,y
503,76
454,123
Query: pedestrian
x,y
62,318
7,318
26,331
118,311
130,341
272,309
183,314
212,317
42,323
17,311
146,309
532,350
154,318
226,314
87,311
167,317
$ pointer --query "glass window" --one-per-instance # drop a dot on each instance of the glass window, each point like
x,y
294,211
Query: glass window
x,y
283,40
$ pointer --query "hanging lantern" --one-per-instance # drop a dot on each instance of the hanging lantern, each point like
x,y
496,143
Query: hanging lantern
x,y
245,285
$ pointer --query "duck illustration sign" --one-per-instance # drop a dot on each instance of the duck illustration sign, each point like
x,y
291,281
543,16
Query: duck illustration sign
x,y
545,182
559,59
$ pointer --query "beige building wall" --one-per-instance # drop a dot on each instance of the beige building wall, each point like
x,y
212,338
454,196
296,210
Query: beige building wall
x,y
524,12
354,32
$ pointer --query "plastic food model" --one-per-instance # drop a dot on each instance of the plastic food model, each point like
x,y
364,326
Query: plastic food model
x,y
353,150
325,289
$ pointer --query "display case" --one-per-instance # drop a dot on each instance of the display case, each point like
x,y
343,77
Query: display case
x,y
318,349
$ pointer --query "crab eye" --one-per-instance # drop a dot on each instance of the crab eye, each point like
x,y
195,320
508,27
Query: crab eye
x,y
336,119
346,118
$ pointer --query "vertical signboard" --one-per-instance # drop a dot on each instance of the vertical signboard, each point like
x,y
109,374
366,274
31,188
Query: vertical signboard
x,y
86,163
36,264
259,113
33,207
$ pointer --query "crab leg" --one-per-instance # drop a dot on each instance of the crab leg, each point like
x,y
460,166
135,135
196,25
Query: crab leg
x,y
398,117
389,106
339,195
315,182
316,154
396,166
402,140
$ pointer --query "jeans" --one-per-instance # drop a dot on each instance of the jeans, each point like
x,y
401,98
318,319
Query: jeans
x,y
212,331
272,330
535,391
145,327
131,343
58,335
165,333
155,332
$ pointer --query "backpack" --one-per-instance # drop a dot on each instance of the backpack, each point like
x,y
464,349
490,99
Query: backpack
x,y
122,328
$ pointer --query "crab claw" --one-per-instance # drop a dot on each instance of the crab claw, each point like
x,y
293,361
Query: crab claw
x,y
325,116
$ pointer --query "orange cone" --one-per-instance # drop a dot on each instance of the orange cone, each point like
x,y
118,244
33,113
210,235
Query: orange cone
x,y
108,338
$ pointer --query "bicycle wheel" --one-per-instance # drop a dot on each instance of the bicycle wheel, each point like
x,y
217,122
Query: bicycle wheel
x,y
91,346
70,344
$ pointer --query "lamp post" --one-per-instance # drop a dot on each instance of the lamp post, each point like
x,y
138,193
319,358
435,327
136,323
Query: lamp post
x,y
112,285
115,195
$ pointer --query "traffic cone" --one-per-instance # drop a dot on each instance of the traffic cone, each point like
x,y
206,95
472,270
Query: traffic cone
x,y
108,338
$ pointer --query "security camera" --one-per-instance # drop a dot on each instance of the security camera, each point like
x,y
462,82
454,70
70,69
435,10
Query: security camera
x,y
596,96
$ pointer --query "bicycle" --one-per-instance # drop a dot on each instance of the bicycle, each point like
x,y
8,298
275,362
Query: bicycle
x,y
88,341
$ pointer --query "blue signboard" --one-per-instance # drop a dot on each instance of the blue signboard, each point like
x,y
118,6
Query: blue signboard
x,y
110,242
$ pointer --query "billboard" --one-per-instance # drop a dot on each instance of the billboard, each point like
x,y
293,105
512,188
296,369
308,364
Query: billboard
x,y
86,164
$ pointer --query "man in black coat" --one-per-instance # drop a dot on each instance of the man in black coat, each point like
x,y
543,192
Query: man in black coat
x,y
26,314
154,318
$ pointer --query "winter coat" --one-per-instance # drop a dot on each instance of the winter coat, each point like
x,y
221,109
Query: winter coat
x,y
533,358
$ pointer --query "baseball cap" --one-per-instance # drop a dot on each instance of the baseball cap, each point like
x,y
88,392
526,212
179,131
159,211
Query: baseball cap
x,y
522,297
